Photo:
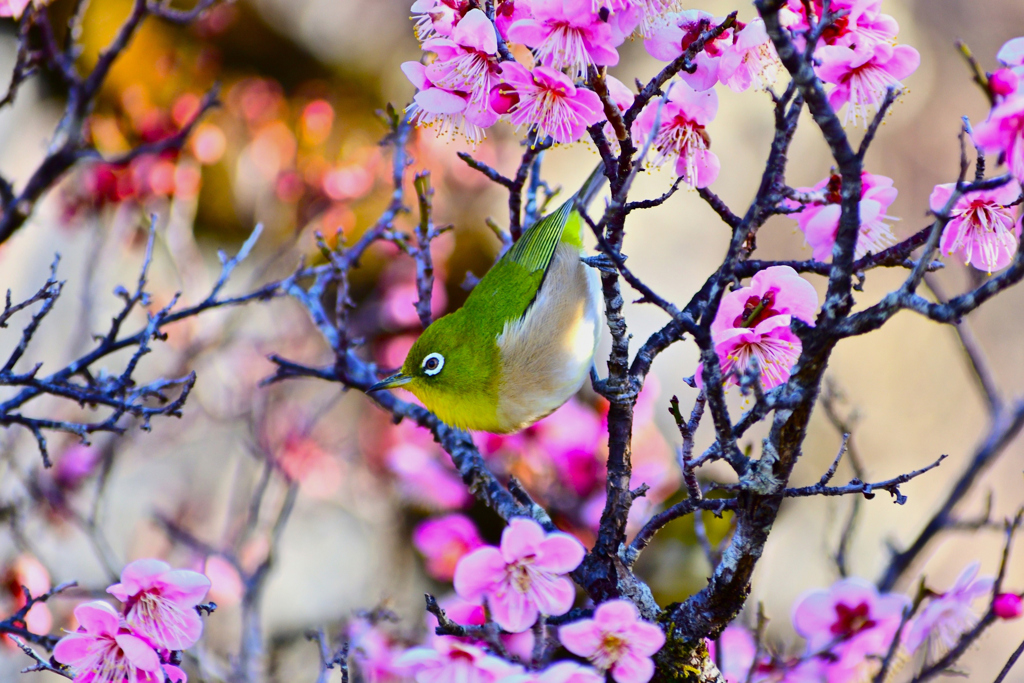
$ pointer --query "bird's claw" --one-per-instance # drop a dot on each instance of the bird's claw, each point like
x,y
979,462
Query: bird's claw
x,y
601,262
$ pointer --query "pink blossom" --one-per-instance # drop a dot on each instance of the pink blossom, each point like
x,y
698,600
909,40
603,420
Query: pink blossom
x,y
738,650
103,650
1011,55
861,26
423,479
160,602
13,8
948,616
862,77
549,99
25,571
670,40
616,639
850,620
567,34
444,541
473,614
437,17
651,14
1008,606
374,653
76,464
525,577
820,222
466,63
752,322
1003,133
559,672
981,228
681,132
453,660
436,105
750,60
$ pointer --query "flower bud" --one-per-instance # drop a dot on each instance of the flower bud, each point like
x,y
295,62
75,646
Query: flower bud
x,y
1008,606
1002,83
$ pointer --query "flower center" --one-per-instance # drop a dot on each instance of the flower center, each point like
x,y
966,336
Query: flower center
x,y
520,573
852,620
756,310
611,650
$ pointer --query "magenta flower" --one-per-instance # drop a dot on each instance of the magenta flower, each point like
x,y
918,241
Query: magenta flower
x,y
670,39
981,228
852,622
469,613
750,60
948,616
681,132
615,639
549,99
559,672
1003,83
861,77
524,578
104,650
160,602
1003,133
444,541
820,222
752,324
453,660
1008,606
568,34
13,8
374,652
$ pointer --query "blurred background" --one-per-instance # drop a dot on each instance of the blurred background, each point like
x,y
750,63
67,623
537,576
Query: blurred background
x,y
294,147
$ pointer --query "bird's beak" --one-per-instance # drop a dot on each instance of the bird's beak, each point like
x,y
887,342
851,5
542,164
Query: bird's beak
x,y
391,382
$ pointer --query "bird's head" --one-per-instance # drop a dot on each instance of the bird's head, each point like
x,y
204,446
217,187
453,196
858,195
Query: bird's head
x,y
453,369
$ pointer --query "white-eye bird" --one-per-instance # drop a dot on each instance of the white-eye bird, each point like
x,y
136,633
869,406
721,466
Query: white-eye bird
x,y
523,342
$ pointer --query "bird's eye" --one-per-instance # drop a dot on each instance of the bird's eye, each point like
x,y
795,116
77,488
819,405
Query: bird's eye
x,y
432,364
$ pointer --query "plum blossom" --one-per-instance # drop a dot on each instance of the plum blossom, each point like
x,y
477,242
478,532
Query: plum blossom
x,y
1002,83
549,99
473,614
1003,133
981,228
820,222
852,621
160,602
374,652
862,77
453,660
433,18
860,26
752,323
948,616
616,639
433,105
750,61
568,34
423,479
13,8
466,63
104,650
1008,606
525,577
680,29
559,672
25,571
1011,55
444,541
681,133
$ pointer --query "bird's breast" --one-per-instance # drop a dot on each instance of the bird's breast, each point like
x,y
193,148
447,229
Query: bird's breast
x,y
547,353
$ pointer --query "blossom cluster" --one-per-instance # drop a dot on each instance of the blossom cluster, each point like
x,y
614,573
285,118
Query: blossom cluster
x,y
849,629
138,643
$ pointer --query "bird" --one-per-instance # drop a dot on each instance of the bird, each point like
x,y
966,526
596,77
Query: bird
x,y
523,342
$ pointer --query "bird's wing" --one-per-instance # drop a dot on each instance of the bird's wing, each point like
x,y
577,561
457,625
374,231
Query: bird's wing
x,y
509,288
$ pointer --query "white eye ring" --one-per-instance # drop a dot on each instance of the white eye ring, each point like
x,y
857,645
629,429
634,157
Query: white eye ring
x,y
432,364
